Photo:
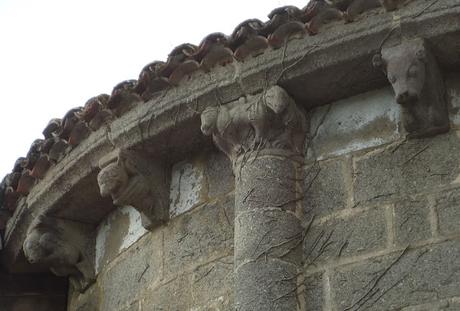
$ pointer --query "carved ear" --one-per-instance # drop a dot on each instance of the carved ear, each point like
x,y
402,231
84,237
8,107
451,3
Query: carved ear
x,y
377,61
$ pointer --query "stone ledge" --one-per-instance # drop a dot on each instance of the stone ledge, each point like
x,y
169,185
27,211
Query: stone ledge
x,y
175,116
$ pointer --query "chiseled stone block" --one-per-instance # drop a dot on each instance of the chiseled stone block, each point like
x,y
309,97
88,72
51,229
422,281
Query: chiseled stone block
x,y
411,221
360,233
447,206
314,292
122,228
219,175
325,187
134,271
174,295
197,236
212,286
416,166
186,187
403,279
355,123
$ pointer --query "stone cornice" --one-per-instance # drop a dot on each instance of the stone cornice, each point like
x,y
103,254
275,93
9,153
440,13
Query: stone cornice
x,y
306,68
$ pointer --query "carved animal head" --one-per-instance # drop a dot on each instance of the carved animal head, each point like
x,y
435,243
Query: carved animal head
x,y
209,120
45,245
277,99
111,179
39,246
405,67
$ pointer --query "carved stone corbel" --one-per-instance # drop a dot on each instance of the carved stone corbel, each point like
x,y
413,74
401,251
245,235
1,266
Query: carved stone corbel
x,y
418,84
61,245
263,135
130,178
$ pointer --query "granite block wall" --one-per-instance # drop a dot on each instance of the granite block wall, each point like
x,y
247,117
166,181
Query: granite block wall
x,y
381,215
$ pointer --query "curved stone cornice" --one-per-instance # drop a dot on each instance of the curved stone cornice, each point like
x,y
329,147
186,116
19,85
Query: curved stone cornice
x,y
169,124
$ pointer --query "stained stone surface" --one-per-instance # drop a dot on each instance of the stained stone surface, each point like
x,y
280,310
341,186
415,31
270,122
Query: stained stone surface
x,y
186,187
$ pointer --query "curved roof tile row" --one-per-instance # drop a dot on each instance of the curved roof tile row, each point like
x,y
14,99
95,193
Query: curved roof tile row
x,y
249,39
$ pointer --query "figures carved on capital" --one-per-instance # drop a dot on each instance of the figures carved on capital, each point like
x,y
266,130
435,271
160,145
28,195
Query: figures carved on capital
x,y
267,121
61,246
419,88
130,178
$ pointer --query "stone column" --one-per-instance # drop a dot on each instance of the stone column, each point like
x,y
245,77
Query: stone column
x,y
263,136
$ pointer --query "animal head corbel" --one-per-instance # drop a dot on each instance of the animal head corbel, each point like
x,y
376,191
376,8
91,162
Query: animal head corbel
x,y
414,75
60,245
130,178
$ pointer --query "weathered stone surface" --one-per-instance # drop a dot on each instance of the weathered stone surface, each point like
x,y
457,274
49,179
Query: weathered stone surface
x,y
122,228
411,221
355,123
172,296
444,305
270,120
336,52
266,182
360,233
186,187
395,281
219,175
453,96
325,187
137,268
198,236
262,234
314,292
86,301
212,286
447,206
266,285
418,84
416,166
62,246
135,179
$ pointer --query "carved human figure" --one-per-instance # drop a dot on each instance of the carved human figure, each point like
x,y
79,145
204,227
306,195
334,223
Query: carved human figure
x,y
419,88
130,179
59,245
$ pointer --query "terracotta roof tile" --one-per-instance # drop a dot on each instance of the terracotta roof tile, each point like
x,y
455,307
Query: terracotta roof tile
x,y
249,39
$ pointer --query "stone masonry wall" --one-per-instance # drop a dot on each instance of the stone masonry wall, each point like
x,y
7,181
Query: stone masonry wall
x,y
184,265
381,215
383,212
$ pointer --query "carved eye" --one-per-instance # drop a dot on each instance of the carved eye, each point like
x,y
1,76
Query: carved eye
x,y
412,72
392,79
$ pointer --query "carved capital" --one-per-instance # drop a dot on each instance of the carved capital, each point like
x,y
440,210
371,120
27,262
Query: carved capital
x,y
132,179
61,246
416,79
268,122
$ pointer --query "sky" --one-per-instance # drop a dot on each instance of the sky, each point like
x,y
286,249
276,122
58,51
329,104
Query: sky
x,y
56,54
